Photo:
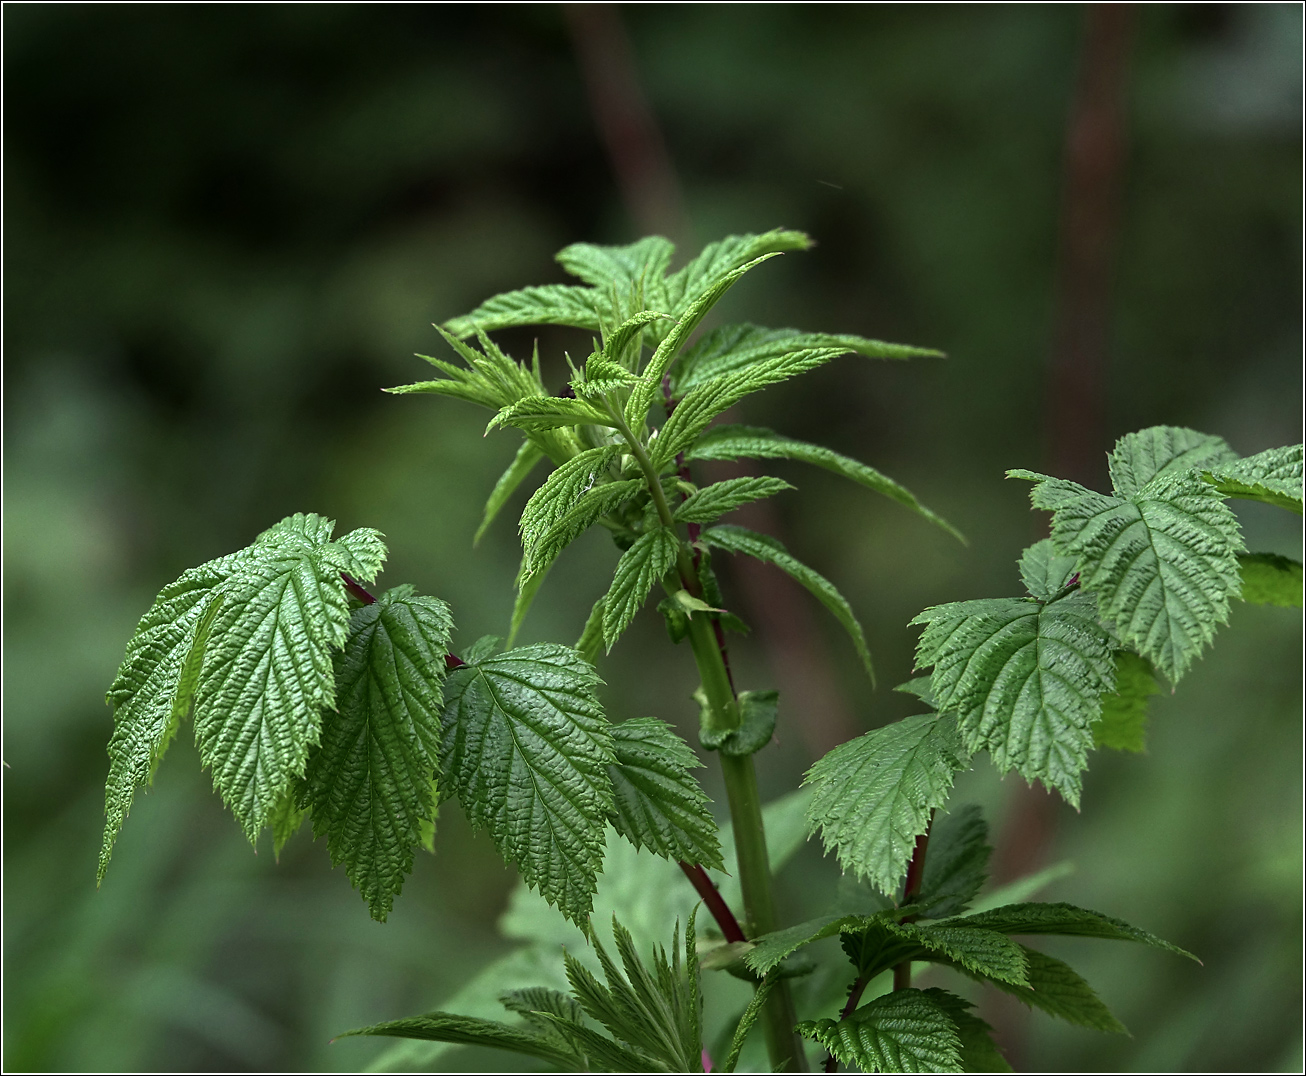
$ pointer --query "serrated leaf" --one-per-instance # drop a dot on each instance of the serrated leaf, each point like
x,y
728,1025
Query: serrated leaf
x,y
983,952
1044,571
1122,724
1161,559
523,463
716,500
546,304
536,414
642,565
369,781
639,266
1269,579
920,687
1064,919
902,1031
1060,991
768,549
1273,476
526,746
757,442
556,513
615,346
770,949
473,1031
872,796
978,1051
658,804
956,867
490,378
1025,679
724,256
1161,451
533,1000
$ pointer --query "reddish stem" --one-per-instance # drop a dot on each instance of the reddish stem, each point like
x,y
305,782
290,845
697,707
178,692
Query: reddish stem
x,y
356,589
915,871
721,912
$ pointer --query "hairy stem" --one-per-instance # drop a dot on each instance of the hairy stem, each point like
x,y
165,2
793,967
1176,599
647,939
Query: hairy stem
x,y
716,904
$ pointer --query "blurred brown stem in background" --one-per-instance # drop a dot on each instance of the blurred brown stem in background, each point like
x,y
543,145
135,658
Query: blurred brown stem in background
x,y
650,191
1074,406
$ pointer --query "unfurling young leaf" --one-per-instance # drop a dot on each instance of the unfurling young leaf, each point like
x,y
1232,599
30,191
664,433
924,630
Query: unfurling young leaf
x,y
369,783
526,747
640,567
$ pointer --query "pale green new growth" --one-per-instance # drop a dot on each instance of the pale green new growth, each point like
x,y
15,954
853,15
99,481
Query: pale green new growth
x,y
247,638
1273,476
642,565
873,795
369,783
556,513
658,804
757,442
904,1031
711,502
526,747
768,549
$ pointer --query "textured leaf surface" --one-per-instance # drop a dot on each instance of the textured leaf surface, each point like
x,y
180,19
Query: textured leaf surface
x,y
873,795
1060,991
1160,557
1044,571
658,803
1273,476
978,1052
537,413
956,867
903,1031
1123,722
474,1031
526,746
707,504
546,304
1159,451
768,549
1025,679
369,782
639,568
757,442
1064,919
1269,579
725,256
557,512
984,952
641,265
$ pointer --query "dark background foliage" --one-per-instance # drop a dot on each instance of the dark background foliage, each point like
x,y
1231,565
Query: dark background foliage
x,y
226,227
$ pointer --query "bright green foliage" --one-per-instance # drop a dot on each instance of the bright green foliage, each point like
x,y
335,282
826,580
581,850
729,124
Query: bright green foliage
x,y
711,502
1024,678
526,747
757,442
547,304
957,865
490,378
370,780
984,952
642,565
523,463
770,949
733,347
248,638
1044,571
566,504
658,804
1123,721
1160,555
1064,919
536,414
474,1031
724,256
903,1031
764,548
1269,579
873,795
1273,476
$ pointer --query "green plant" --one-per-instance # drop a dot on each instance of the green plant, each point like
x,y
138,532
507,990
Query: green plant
x,y
313,697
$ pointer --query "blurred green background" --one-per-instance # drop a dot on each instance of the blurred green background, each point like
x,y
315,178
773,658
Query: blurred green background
x,y
226,227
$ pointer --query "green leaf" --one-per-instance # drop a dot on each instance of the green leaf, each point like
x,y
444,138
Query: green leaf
x,y
526,746
725,256
1122,724
639,266
708,503
749,1018
978,1052
650,381
1269,579
473,1031
547,304
768,549
286,819
591,637
1273,476
658,803
982,952
534,1000
559,510
770,949
920,687
1161,557
642,565
902,1031
538,413
1060,991
1025,679
369,782
957,864
757,442
873,795
1064,919
757,712
530,586
1044,571
490,378
614,348
1162,451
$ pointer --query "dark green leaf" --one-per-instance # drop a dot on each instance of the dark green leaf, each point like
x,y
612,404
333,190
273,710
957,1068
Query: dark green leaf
x,y
1272,476
957,864
903,1031
471,1031
1064,919
1123,723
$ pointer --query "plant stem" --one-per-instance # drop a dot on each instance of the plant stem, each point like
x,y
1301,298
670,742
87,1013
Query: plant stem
x,y
912,886
716,904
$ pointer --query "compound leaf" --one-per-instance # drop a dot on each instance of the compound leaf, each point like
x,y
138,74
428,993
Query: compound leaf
x,y
369,783
872,796
658,804
1269,579
526,747
707,504
1025,679
640,566
768,549
757,442
724,256
1273,476
902,1031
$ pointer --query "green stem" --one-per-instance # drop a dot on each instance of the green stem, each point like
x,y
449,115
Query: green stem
x,y
784,1045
